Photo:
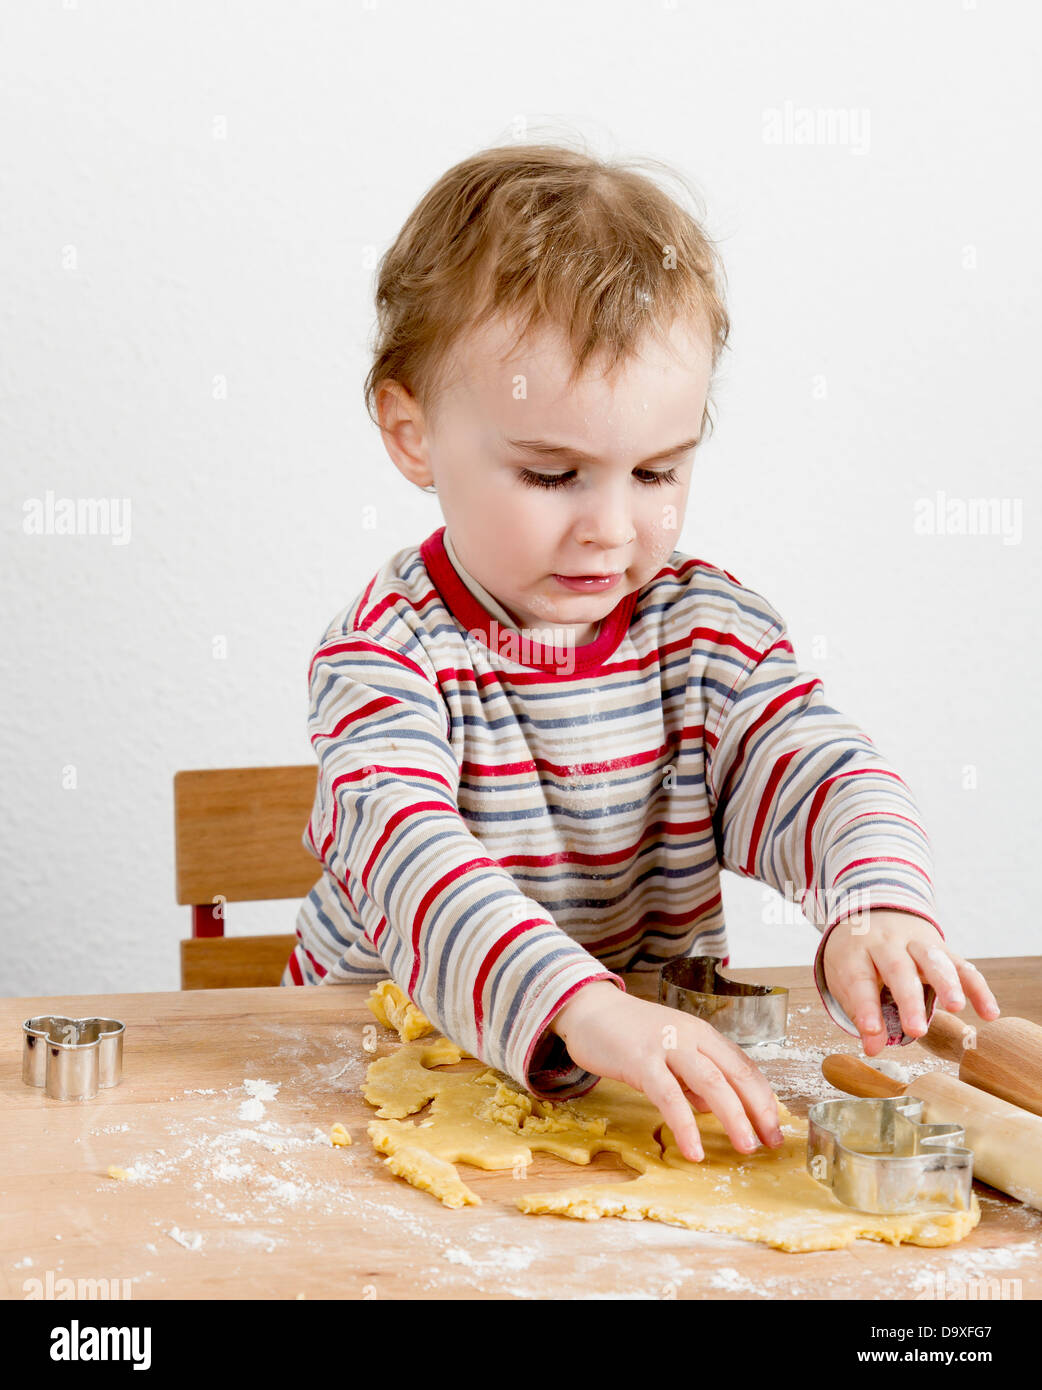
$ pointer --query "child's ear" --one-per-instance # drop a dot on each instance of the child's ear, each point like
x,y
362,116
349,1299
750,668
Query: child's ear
x,y
403,434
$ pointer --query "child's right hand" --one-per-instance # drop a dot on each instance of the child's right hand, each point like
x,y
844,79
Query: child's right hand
x,y
617,1035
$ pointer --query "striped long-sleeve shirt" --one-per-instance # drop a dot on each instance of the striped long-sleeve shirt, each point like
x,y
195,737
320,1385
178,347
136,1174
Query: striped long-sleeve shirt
x,y
501,822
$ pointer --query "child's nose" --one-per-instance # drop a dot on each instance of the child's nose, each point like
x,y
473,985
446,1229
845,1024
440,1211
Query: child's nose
x,y
608,524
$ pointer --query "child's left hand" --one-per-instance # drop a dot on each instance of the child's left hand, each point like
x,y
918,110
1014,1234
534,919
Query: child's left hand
x,y
900,950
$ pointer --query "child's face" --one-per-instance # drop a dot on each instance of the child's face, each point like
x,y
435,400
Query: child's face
x,y
617,512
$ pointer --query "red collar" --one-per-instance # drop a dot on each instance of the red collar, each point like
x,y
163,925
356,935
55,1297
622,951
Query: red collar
x,y
476,619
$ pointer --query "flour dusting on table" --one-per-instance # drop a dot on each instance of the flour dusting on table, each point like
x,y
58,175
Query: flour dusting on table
x,y
259,1092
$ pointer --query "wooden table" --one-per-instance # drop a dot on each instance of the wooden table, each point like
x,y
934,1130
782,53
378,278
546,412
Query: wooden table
x,y
283,1214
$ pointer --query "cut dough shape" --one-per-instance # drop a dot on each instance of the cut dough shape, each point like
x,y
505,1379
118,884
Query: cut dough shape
x,y
479,1116
339,1136
395,1009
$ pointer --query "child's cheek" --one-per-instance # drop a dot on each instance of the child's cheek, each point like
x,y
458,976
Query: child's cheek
x,y
662,539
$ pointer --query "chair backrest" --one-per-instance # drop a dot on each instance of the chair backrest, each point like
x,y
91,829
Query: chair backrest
x,y
238,838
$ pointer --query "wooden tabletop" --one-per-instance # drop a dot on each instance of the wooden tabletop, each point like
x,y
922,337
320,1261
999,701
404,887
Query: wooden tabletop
x,y
262,1206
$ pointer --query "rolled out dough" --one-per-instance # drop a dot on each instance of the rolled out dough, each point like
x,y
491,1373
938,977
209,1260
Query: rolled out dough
x,y
479,1116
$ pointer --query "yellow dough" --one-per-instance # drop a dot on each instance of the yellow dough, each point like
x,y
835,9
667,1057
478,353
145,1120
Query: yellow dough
x,y
339,1136
395,1009
432,1175
480,1117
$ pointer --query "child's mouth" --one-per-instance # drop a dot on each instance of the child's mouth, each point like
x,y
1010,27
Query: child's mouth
x,y
588,583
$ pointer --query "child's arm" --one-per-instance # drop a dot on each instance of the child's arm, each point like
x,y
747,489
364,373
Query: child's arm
x,y
804,801
485,963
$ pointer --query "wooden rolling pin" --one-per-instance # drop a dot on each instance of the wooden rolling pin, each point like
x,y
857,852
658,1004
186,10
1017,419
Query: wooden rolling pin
x,y
1003,1057
1006,1140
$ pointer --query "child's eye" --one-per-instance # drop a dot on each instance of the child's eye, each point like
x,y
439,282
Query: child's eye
x,y
651,478
543,479
656,478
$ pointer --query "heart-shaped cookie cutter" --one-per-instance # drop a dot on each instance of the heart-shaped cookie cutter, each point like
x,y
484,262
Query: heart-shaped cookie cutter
x,y
877,1156
72,1057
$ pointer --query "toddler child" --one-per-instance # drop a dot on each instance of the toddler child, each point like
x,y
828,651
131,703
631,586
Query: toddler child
x,y
543,732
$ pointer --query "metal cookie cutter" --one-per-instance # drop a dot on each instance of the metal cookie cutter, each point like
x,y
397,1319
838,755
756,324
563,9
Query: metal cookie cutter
x,y
72,1057
877,1156
747,1014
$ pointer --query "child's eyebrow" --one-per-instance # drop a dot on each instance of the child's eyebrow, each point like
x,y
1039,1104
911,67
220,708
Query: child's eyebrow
x,y
548,450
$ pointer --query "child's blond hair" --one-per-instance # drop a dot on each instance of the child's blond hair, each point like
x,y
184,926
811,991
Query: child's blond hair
x,y
560,238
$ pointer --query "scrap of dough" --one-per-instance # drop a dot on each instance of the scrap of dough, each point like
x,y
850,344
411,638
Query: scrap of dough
x,y
339,1136
431,1174
394,1009
526,1115
481,1117
121,1174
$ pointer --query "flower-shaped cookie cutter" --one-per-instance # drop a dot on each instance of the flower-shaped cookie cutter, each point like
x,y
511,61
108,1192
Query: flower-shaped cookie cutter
x,y
877,1156
72,1057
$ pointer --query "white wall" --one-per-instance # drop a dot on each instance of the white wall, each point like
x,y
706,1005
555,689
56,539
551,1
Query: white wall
x,y
196,191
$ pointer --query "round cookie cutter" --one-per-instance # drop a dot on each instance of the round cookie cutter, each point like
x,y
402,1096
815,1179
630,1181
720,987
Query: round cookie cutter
x,y
747,1014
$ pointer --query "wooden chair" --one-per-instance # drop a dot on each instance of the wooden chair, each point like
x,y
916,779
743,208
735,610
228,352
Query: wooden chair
x,y
238,838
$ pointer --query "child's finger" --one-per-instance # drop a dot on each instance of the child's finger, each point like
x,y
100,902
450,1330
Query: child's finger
x,y
976,987
961,980
858,992
701,1074
698,1103
937,966
664,1092
751,1090
898,971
